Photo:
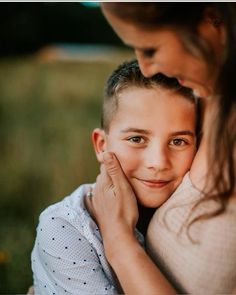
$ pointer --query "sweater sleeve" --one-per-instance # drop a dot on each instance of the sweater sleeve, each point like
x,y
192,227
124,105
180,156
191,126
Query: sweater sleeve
x,y
219,248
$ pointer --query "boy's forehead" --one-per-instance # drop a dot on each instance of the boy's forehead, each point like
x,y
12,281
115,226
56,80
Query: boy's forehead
x,y
136,99
160,92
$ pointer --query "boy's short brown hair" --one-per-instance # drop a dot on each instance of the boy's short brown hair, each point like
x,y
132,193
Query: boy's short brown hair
x,y
127,75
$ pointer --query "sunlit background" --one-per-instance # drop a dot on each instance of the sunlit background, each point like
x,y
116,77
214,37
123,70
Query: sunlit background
x,y
54,60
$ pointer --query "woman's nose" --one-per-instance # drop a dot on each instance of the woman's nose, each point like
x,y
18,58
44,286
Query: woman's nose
x,y
147,65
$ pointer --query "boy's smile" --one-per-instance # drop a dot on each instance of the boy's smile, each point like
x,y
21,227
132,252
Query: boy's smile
x,y
153,136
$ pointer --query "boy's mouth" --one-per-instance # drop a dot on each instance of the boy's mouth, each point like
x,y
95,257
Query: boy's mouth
x,y
154,183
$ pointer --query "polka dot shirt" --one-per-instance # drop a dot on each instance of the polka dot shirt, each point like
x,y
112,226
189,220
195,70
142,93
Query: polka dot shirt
x,y
68,255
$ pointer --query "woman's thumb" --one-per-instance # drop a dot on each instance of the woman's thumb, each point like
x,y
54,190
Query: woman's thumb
x,y
113,167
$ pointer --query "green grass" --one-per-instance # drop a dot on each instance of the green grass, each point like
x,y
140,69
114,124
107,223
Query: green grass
x,y
47,112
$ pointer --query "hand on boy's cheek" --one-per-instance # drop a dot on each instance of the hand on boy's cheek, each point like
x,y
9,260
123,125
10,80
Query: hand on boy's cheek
x,y
101,202
114,202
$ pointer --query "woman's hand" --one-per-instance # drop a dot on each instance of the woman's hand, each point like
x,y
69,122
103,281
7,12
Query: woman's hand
x,y
114,202
114,207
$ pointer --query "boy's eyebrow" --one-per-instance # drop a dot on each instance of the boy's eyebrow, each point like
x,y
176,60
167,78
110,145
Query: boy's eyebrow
x,y
136,130
183,132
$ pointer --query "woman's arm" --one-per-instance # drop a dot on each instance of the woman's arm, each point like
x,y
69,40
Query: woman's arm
x,y
115,209
136,271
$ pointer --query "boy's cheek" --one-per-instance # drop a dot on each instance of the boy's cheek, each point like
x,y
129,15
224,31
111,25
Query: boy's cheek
x,y
127,157
127,162
186,161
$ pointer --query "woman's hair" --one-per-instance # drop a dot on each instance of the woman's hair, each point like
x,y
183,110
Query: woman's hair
x,y
184,18
128,75
179,16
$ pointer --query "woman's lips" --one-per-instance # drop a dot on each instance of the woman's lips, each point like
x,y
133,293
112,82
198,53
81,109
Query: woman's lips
x,y
181,81
154,183
198,89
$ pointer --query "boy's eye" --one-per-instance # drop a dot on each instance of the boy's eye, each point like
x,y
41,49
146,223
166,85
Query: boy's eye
x,y
178,142
136,139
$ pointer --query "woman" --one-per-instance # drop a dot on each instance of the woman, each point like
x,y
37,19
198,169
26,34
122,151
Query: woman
x,y
192,237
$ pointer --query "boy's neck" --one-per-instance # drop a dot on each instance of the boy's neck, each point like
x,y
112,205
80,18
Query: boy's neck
x,y
145,215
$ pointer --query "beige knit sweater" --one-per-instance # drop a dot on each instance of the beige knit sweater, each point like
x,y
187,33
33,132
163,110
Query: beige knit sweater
x,y
206,265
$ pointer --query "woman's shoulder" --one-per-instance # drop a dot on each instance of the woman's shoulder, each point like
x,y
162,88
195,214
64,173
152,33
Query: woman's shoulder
x,y
208,256
186,204
222,227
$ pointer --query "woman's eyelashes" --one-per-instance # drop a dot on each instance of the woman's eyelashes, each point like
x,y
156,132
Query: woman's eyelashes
x,y
148,53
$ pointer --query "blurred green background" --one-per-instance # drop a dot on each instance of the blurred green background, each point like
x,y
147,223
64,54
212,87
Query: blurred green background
x,y
47,112
50,101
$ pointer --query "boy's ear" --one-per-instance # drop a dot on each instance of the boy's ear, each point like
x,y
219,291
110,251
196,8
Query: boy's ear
x,y
99,143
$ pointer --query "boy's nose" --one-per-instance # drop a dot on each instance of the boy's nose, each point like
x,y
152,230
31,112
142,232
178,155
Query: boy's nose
x,y
158,159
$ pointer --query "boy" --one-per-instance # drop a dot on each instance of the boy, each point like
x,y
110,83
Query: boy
x,y
150,124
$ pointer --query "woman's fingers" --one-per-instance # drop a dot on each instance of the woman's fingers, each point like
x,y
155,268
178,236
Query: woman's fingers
x,y
115,171
106,181
114,204
117,180
104,185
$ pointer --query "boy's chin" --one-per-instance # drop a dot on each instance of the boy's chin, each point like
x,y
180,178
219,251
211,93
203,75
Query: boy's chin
x,y
151,203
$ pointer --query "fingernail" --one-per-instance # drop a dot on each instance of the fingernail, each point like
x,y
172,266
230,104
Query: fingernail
x,y
107,157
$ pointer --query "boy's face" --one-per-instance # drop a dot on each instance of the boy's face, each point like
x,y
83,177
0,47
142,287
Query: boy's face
x,y
153,136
